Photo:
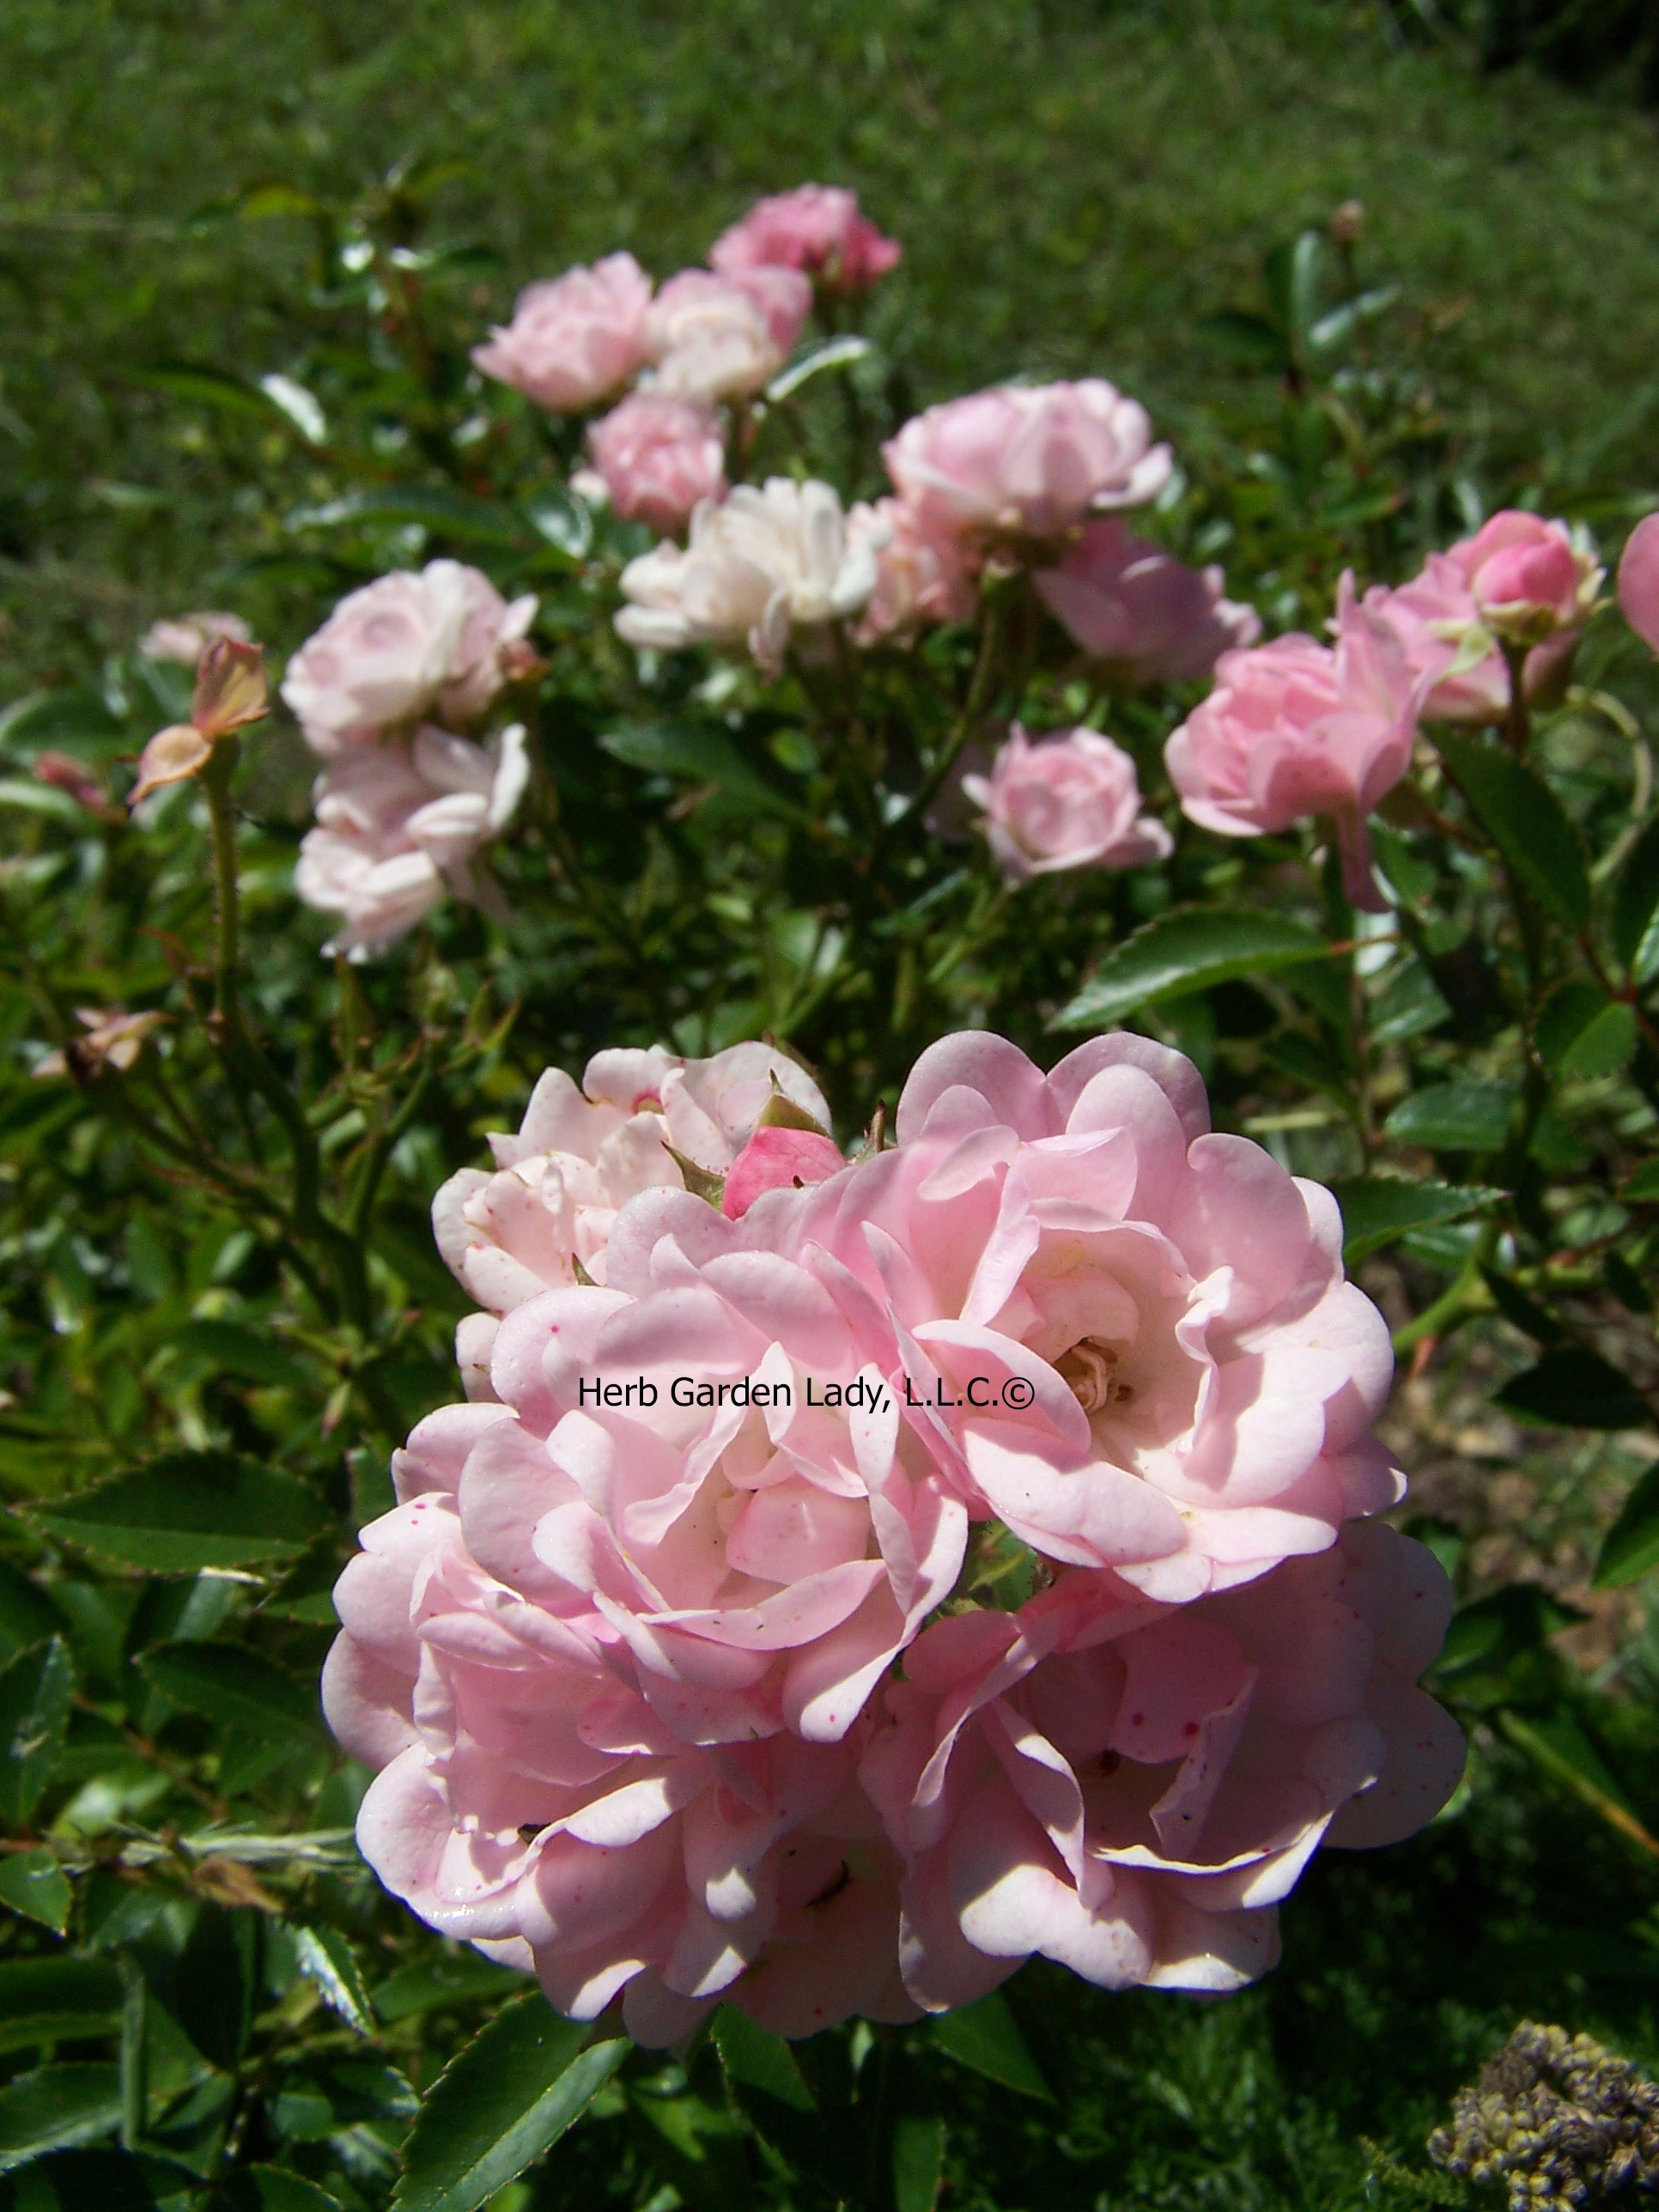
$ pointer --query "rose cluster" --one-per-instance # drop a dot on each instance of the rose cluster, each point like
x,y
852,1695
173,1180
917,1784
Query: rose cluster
x,y
850,1700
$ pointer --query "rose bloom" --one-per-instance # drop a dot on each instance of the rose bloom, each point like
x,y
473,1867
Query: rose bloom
x,y
1132,1789
1529,578
725,337
182,637
1435,616
922,573
771,560
1639,580
575,339
403,646
1169,1376
1071,801
1147,616
1026,460
657,458
1295,728
816,228
399,828
580,1154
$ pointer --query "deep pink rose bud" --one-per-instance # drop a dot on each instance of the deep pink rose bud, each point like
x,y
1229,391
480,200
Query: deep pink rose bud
x,y
575,339
659,457
1639,580
818,228
1528,577
778,1159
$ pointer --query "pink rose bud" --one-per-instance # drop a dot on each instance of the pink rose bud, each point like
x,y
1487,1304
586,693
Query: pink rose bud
x,y
230,687
1147,616
817,228
778,1159
658,457
74,776
1294,729
1528,577
575,339
1639,580
1071,802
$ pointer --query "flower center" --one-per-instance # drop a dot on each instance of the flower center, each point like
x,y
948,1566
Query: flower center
x,y
1089,1370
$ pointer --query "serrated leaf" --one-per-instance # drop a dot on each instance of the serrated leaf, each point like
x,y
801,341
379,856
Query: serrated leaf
x,y
499,2105
190,1510
1188,948
1527,822
1573,1387
33,1884
56,2106
986,2036
327,1958
1631,1546
759,2060
49,1999
1378,1209
699,755
1454,1117
35,1704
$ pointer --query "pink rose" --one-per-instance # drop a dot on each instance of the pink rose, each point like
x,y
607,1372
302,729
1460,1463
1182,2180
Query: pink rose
x,y
1294,728
182,637
1126,1339
778,1159
1639,580
1026,460
1131,1789
658,457
1435,617
403,646
1071,801
1527,577
721,337
816,228
1146,614
580,1155
398,827
575,339
922,573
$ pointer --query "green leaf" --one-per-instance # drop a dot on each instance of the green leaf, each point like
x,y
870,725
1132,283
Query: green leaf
x,y
445,513
205,387
1292,272
699,754
986,2036
1631,1546
190,1510
1557,1745
28,1615
1644,1184
1454,1117
1251,339
35,1688
498,2105
1342,322
275,2189
230,1348
918,2162
234,1685
56,718
1188,948
759,2060
33,1884
1378,1209
1636,896
49,2000
1527,822
444,1980
838,353
1573,1387
328,1959
56,2106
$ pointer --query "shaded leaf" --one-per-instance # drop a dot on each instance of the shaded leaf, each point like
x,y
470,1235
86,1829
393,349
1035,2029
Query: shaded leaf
x,y
230,1347
499,2105
446,513
918,2162
234,1685
48,2000
1527,822
56,2106
276,2189
1454,1117
34,1704
1186,950
701,755
1636,896
759,2060
33,1884
442,1980
1644,1184
986,2036
1631,1546
189,1510
1573,1387
1378,1209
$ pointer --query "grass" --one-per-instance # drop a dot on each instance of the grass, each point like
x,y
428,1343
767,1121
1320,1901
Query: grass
x,y
1078,184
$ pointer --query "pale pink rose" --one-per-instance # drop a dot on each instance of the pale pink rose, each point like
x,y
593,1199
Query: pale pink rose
x,y
778,1159
1295,728
1071,801
1132,1789
770,561
1127,1338
1437,621
399,647
657,457
1639,580
551,1202
575,339
725,337
922,573
1529,578
1147,616
1026,460
816,228
399,828
182,637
